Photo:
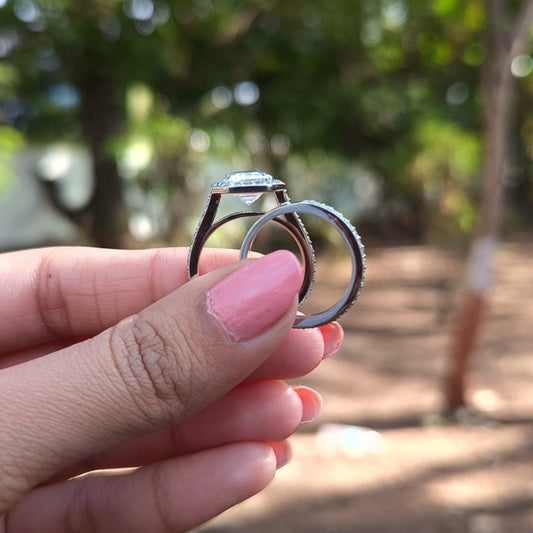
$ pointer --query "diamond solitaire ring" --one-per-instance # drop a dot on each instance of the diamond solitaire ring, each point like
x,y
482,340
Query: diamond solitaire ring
x,y
249,186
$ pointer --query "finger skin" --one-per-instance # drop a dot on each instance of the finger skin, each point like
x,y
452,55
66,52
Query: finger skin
x,y
299,353
261,411
33,352
52,293
151,370
43,288
169,497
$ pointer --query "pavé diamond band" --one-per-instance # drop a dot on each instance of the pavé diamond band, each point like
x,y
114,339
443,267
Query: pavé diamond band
x,y
249,186
352,240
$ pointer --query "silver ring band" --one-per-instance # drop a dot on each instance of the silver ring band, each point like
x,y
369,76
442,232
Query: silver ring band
x,y
295,232
351,238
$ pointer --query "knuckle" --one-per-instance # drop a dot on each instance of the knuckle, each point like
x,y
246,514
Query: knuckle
x,y
156,365
49,298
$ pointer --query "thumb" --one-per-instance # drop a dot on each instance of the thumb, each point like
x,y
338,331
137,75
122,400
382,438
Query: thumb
x,y
150,370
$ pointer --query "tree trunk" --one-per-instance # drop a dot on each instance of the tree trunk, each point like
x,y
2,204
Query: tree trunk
x,y
101,117
497,89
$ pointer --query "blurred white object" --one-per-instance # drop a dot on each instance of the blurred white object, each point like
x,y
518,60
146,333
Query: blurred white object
x,y
27,217
69,167
351,441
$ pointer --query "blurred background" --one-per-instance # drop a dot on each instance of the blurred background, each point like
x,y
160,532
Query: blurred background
x,y
412,118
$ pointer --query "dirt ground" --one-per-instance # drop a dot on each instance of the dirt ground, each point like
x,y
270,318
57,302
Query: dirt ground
x,y
418,472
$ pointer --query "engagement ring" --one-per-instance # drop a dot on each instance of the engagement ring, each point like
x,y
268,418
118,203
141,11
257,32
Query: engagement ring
x,y
249,186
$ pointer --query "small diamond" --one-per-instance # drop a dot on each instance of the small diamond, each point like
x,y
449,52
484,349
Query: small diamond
x,y
252,178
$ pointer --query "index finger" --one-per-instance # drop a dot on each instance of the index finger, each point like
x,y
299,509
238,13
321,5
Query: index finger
x,y
53,293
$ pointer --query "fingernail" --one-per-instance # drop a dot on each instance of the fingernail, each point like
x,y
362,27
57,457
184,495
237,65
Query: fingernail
x,y
311,404
333,335
283,452
250,300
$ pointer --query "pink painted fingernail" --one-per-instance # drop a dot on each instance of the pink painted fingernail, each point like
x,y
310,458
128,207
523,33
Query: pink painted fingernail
x,y
333,335
252,299
283,452
311,404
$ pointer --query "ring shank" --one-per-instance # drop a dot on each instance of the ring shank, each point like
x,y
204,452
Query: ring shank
x,y
350,237
295,232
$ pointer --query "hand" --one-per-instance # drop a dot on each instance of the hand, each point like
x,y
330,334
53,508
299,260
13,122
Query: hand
x,y
163,397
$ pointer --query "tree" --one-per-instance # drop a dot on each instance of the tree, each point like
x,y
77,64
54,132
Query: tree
x,y
505,43
379,97
73,64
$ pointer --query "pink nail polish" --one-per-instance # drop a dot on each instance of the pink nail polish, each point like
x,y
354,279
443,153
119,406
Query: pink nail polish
x,y
250,300
283,452
333,336
311,404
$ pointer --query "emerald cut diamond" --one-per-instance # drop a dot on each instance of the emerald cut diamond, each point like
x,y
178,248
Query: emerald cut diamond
x,y
248,180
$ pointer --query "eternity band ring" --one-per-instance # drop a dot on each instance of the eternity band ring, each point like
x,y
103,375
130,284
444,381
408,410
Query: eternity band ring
x,y
350,237
250,186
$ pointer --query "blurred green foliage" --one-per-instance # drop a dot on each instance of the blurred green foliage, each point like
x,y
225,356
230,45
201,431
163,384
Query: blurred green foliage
x,y
373,106
10,142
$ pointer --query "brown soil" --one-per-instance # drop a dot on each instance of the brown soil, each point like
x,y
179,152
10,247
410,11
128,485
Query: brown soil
x,y
472,473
